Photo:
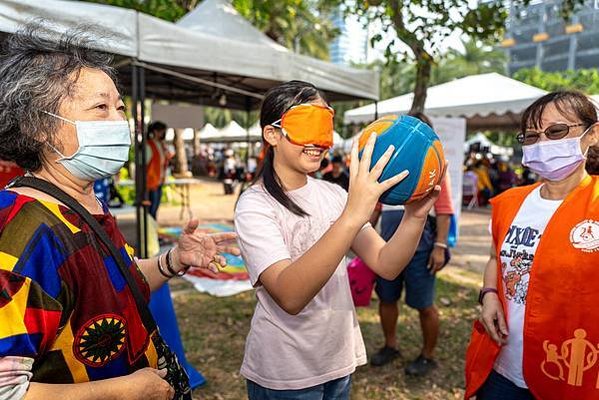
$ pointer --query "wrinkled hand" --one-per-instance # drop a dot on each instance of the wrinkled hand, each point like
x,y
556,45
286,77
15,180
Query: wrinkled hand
x,y
436,261
203,250
364,188
493,319
148,384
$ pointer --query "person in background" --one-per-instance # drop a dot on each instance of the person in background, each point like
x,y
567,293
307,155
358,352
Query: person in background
x,y
337,175
507,177
418,278
158,158
485,187
229,171
8,171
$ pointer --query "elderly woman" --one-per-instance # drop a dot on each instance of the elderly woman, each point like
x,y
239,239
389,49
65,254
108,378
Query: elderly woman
x,y
70,327
538,334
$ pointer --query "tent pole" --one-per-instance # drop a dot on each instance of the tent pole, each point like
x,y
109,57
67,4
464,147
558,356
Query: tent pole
x,y
376,110
137,162
144,161
248,107
141,195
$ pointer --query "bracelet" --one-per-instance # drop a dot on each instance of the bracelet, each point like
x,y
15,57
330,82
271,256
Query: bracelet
x,y
483,292
441,245
169,265
162,270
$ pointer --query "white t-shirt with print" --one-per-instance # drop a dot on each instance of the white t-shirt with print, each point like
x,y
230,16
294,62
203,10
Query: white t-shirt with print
x,y
517,254
321,343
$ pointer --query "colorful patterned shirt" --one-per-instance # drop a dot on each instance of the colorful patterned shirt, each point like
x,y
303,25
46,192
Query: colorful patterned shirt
x,y
63,300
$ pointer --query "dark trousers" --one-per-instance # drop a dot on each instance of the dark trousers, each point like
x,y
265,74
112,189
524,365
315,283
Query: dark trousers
x,y
497,387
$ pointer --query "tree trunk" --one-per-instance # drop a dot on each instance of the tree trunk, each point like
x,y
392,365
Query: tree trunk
x,y
180,156
423,77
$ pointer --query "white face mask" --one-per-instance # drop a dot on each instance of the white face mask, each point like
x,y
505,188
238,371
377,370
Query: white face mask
x,y
103,148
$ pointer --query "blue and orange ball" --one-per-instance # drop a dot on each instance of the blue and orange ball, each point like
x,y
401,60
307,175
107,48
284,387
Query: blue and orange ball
x,y
417,149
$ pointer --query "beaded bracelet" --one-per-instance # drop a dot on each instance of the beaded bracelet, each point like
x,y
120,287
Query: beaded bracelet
x,y
161,269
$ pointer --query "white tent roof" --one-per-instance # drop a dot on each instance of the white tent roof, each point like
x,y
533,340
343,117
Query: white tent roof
x,y
219,18
475,96
229,50
233,132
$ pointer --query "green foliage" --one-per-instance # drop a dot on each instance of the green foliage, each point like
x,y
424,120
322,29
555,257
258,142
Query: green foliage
x,y
585,80
301,25
421,26
169,10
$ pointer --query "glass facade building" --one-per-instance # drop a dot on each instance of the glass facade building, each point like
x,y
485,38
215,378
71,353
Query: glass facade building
x,y
538,36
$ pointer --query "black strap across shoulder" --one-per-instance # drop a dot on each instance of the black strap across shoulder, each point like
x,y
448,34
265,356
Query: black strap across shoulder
x,y
60,195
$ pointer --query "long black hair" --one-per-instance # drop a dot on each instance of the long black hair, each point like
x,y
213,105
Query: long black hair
x,y
276,102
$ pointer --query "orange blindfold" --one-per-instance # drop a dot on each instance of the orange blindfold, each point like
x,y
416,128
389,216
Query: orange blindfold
x,y
308,125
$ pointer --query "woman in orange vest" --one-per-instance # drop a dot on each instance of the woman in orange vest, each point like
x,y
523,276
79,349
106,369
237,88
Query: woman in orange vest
x,y
538,335
157,163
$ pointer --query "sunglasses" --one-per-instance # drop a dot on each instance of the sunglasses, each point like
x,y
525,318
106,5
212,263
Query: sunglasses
x,y
553,132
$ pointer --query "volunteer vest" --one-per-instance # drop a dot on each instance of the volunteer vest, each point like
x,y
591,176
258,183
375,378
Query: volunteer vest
x,y
561,322
155,169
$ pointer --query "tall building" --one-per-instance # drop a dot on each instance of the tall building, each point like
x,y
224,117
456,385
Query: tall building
x,y
352,43
538,36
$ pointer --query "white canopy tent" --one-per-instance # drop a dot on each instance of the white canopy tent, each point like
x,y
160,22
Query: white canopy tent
x,y
487,101
213,47
160,60
484,141
231,133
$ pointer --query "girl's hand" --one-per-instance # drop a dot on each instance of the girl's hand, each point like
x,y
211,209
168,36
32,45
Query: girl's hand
x,y
493,319
202,250
364,189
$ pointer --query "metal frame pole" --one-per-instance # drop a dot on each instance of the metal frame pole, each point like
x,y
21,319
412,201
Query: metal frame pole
x,y
144,161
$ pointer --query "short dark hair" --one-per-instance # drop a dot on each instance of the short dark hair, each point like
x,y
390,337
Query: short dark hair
x,y
36,74
567,102
337,159
422,117
156,126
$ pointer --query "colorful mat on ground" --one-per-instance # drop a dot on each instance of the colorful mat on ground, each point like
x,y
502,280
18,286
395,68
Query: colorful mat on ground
x,y
228,281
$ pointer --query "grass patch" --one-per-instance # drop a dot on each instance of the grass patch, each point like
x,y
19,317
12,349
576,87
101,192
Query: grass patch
x,y
214,330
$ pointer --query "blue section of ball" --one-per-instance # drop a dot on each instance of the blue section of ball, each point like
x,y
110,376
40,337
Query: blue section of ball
x,y
412,139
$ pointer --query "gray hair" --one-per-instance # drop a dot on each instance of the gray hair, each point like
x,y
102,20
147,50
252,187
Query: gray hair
x,y
37,73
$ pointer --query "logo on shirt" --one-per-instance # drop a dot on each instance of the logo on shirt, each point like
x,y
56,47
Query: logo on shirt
x,y
585,236
100,340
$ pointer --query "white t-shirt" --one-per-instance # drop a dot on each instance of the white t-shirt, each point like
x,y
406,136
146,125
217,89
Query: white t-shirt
x,y
323,342
517,254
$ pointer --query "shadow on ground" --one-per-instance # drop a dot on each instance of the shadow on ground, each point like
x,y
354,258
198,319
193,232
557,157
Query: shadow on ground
x,y
214,331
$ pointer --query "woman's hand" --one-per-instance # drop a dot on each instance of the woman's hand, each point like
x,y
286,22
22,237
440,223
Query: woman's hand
x,y
493,319
364,188
203,250
421,208
148,384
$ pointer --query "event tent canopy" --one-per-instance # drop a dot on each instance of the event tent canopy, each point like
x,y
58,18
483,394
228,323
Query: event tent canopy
x,y
190,62
231,133
487,101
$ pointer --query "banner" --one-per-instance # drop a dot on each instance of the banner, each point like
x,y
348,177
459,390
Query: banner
x,y
452,132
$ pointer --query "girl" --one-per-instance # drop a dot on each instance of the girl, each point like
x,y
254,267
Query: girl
x,y
294,232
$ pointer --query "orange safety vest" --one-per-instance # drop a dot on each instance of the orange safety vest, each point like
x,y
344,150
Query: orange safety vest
x,y
561,322
155,168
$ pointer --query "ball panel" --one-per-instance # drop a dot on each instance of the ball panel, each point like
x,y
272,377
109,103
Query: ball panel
x,y
417,149
379,126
